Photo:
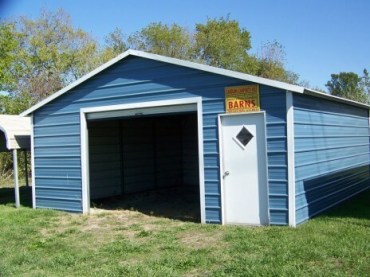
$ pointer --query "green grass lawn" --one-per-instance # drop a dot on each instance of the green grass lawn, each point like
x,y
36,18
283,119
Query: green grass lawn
x,y
127,243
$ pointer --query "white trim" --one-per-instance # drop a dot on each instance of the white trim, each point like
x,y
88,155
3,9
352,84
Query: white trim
x,y
267,171
221,167
16,181
201,161
142,105
171,105
221,159
85,171
33,166
141,111
290,156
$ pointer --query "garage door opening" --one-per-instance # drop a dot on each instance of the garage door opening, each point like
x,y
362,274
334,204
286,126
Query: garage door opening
x,y
146,163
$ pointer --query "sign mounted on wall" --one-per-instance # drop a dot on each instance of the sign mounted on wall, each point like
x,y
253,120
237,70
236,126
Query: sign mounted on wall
x,y
242,99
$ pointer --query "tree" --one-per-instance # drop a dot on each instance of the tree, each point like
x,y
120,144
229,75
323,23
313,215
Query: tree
x,y
114,45
350,85
222,43
51,54
172,41
9,46
366,81
271,63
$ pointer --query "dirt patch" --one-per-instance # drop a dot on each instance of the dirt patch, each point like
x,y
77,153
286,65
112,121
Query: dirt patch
x,y
173,203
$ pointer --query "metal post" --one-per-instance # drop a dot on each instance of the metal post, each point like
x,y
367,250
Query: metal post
x,y
15,168
26,166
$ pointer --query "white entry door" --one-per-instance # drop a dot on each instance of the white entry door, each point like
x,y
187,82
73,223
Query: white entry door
x,y
243,169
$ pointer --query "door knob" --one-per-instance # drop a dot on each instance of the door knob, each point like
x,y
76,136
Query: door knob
x,y
227,173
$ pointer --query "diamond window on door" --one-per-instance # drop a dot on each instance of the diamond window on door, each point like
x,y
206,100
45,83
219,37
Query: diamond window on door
x,y
244,136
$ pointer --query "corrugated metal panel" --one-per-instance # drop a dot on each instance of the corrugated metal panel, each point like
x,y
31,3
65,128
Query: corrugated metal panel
x,y
190,151
136,80
104,159
273,101
331,154
138,155
168,152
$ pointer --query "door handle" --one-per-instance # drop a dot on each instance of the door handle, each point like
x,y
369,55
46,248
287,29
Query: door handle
x,y
227,173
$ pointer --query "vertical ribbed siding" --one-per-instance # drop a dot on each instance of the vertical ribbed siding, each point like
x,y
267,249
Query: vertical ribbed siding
x,y
331,154
57,129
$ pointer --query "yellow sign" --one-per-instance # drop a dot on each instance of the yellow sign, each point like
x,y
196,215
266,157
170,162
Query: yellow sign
x,y
242,99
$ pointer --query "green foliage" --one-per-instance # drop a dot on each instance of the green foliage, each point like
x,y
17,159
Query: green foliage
x,y
40,56
9,47
50,54
115,44
14,104
172,41
350,85
223,43
6,168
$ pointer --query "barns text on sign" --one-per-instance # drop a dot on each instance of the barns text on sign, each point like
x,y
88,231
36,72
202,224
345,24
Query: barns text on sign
x,y
242,99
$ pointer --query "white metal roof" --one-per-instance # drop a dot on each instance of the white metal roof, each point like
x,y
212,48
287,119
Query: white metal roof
x,y
207,68
17,131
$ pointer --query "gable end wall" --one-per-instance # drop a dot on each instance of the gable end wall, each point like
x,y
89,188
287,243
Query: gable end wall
x,y
57,160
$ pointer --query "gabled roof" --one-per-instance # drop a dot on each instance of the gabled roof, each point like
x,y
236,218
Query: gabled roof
x,y
202,67
17,131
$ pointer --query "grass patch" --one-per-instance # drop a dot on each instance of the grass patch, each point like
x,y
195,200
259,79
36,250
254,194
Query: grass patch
x,y
128,243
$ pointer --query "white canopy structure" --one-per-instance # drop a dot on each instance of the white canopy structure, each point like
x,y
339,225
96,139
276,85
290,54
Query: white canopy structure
x,y
15,133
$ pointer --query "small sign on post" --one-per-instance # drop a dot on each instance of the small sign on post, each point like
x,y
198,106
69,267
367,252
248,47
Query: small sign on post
x,y
242,99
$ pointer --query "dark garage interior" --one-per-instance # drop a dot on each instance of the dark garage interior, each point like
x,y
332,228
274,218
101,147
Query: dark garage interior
x,y
146,163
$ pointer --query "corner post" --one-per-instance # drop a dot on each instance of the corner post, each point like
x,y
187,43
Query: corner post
x,y
291,158
16,184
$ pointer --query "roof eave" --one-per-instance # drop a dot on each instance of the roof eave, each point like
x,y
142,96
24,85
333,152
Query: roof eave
x,y
193,65
202,67
335,98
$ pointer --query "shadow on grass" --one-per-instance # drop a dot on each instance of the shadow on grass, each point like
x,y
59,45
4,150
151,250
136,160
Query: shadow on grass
x,y
355,207
7,196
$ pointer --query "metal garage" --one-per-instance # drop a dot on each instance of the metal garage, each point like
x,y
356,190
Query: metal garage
x,y
266,152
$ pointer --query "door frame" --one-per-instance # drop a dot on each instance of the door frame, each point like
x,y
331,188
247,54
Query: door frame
x,y
222,165
138,109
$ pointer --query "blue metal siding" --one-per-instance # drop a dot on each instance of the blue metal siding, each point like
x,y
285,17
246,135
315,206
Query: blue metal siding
x,y
57,129
273,101
331,154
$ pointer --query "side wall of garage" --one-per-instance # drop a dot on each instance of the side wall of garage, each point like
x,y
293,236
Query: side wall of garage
x,y
331,154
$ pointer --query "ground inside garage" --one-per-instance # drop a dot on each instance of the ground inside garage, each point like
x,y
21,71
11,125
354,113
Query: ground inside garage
x,y
148,164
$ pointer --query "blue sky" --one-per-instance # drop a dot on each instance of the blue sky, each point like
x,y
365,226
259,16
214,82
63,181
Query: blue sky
x,y
320,37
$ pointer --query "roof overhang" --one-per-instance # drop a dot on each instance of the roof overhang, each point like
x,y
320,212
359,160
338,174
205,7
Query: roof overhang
x,y
202,67
17,131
